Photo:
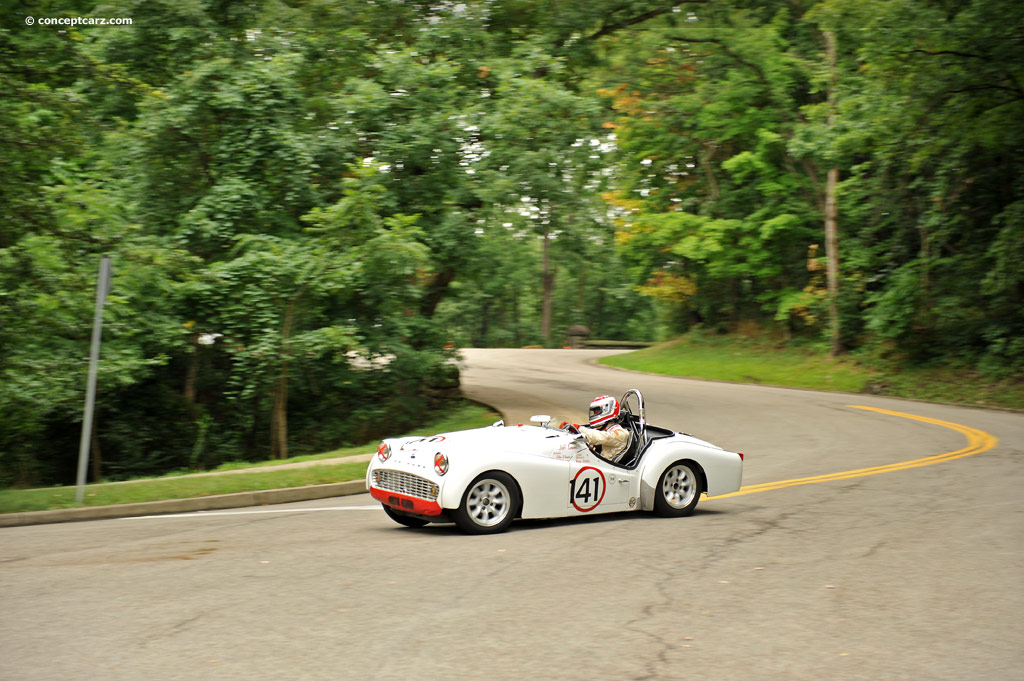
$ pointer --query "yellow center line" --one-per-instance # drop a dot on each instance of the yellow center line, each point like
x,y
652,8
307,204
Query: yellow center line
x,y
978,441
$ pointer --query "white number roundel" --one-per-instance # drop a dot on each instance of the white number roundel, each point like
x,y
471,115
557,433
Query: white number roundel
x,y
586,490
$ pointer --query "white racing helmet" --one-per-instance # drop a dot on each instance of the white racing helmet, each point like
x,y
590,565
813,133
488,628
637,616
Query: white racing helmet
x,y
603,409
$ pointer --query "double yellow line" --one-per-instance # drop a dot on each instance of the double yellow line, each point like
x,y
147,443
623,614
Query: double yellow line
x,y
978,441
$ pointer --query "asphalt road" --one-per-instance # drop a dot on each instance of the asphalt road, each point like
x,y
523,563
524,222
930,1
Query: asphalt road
x,y
891,572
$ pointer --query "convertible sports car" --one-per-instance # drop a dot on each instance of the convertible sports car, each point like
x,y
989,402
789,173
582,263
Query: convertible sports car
x,y
483,479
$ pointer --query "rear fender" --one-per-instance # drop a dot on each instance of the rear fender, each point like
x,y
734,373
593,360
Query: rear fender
x,y
721,471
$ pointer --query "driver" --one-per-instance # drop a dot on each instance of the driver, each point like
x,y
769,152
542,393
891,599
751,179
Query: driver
x,y
605,436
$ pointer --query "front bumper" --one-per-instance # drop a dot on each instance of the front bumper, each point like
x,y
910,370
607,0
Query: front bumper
x,y
405,488
406,503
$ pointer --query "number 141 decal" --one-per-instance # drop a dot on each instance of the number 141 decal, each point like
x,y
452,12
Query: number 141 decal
x,y
586,490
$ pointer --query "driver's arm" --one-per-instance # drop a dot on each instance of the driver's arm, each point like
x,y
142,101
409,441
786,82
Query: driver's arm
x,y
614,436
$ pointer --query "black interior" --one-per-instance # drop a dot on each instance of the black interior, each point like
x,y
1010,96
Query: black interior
x,y
638,441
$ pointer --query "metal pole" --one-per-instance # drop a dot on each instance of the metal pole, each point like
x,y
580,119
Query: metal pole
x,y
102,288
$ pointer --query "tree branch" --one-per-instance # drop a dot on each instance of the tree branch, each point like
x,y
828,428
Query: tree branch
x,y
639,19
953,53
975,88
725,48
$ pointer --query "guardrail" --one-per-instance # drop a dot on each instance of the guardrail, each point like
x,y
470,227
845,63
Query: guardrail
x,y
605,344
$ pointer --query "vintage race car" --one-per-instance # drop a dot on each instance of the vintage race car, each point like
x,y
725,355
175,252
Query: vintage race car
x,y
482,479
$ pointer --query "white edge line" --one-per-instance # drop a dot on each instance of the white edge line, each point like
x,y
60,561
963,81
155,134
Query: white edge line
x,y
199,514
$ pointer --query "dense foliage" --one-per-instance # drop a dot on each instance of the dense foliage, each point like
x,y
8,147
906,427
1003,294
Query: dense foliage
x,y
311,205
730,119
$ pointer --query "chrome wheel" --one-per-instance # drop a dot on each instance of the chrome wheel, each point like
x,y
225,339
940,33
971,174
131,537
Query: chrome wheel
x,y
679,486
488,503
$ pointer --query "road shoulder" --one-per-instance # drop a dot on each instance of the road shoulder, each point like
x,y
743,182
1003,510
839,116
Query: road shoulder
x,y
210,503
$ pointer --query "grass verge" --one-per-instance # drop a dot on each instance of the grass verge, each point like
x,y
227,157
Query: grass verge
x,y
731,358
175,486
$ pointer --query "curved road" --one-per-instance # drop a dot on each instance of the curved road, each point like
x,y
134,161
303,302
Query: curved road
x,y
879,543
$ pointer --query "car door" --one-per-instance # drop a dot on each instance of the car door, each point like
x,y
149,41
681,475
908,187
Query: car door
x,y
597,486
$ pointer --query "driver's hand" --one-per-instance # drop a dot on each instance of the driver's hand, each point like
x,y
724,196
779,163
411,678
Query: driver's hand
x,y
571,427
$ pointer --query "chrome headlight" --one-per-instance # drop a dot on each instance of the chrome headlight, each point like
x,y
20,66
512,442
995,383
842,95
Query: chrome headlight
x,y
440,463
384,451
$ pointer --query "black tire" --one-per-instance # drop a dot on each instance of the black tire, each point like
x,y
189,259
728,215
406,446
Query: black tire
x,y
489,504
404,518
678,490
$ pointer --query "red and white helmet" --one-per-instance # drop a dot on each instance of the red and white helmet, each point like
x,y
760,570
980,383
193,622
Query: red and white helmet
x,y
603,409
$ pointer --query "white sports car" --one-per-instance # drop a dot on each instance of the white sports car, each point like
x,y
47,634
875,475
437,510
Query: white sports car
x,y
483,479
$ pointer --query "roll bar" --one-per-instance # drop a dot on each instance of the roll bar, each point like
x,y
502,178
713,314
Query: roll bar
x,y
640,411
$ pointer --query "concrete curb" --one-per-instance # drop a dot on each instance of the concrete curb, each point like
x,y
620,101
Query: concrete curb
x,y
237,500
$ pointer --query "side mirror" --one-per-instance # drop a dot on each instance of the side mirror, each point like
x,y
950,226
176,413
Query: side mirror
x,y
542,419
498,424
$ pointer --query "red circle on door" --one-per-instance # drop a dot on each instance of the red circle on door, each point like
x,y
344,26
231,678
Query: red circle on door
x,y
589,484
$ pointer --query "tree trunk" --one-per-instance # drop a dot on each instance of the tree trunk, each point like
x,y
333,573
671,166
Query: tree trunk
x,y
95,456
517,331
549,289
831,207
581,303
485,321
926,283
832,256
279,415
192,372
709,173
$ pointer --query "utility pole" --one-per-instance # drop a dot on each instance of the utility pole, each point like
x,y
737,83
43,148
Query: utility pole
x,y
102,289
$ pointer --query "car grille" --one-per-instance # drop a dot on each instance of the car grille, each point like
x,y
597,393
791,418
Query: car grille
x,y
405,483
